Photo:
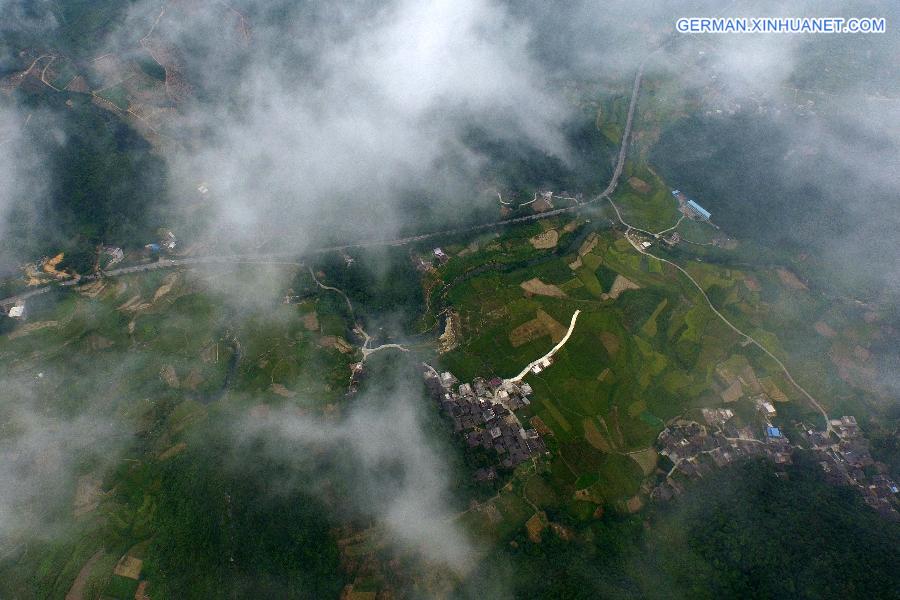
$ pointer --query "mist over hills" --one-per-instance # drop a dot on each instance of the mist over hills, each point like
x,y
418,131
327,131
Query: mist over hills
x,y
228,425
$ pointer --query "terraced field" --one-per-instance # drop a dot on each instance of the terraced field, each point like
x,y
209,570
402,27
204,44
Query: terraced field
x,y
640,356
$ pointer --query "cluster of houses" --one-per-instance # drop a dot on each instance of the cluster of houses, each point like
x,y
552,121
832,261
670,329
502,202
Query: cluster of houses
x,y
16,311
695,449
484,413
848,461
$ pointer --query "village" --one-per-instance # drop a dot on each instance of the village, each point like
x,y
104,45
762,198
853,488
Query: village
x,y
484,413
848,461
696,449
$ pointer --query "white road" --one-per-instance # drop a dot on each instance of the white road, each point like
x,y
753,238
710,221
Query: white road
x,y
550,354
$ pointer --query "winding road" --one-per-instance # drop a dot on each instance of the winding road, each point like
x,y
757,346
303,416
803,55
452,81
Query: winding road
x,y
750,339
285,258
550,354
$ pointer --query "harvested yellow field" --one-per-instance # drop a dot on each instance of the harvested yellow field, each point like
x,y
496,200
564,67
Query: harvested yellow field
x,y
50,265
772,390
129,566
594,437
646,459
557,416
535,525
636,408
539,288
166,286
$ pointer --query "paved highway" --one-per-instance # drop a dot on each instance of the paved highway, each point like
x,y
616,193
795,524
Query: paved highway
x,y
285,258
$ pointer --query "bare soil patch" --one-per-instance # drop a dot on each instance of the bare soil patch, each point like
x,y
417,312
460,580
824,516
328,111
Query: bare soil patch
x,y
861,354
79,84
526,332
594,437
336,342
540,426
639,185
166,286
610,342
141,592
174,450
193,380
87,495
646,459
621,284
280,390
565,533
535,525
790,280
543,324
545,240
133,304
449,340
30,328
823,329
129,566
733,392
752,284
588,245
311,321
93,289
492,512
98,342
76,592
634,504
556,329
168,374
539,288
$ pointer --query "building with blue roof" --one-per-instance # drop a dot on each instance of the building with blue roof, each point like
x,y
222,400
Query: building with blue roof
x,y
773,432
699,210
